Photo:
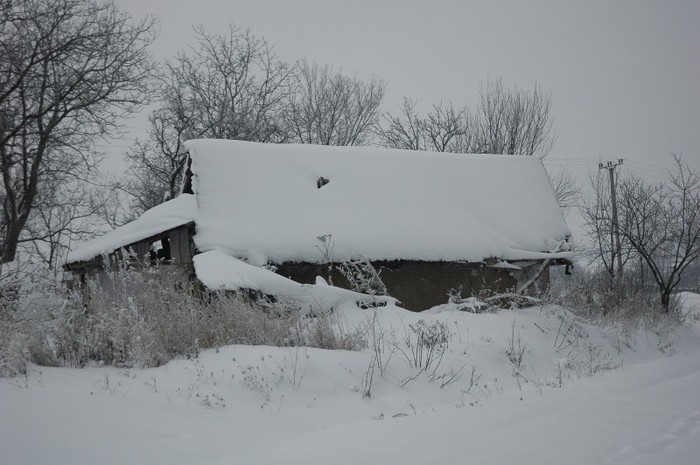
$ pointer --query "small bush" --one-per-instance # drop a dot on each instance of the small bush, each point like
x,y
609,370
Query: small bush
x,y
326,331
431,342
12,359
12,356
516,348
425,350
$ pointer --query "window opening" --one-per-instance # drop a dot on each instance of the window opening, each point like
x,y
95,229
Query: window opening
x,y
159,250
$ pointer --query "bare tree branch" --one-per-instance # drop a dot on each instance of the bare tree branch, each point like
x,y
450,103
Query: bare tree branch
x,y
565,188
660,222
230,86
70,69
444,129
330,108
513,121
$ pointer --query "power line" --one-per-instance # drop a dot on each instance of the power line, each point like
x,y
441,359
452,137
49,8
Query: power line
x,y
650,168
572,159
650,174
648,164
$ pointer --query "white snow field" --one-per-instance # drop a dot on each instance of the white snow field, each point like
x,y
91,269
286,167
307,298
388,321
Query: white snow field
x,y
581,395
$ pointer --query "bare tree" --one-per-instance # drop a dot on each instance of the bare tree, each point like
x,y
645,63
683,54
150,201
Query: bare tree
x,y
156,165
330,108
234,87
662,223
565,188
507,121
448,129
63,213
658,223
229,86
598,221
403,131
69,70
444,129
513,121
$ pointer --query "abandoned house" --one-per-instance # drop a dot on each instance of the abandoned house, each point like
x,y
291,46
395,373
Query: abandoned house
x,y
271,218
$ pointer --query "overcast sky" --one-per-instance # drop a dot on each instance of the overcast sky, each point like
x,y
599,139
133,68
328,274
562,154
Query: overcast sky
x,y
624,76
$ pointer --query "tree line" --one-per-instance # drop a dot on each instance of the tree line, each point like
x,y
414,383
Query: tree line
x,y
234,86
73,69
70,70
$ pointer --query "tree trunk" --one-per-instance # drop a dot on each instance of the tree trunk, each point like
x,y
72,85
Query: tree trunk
x,y
9,246
665,300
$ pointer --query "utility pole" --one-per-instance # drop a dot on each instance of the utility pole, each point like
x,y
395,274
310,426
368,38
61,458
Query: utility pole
x,y
610,166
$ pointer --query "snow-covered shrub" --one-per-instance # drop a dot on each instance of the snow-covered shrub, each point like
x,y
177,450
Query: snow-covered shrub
x,y
13,360
101,331
358,271
230,318
147,326
12,356
589,293
469,304
144,320
424,350
32,303
119,326
488,300
516,347
427,345
326,331
362,276
326,246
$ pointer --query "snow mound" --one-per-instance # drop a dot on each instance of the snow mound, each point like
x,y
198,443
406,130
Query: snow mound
x,y
271,405
219,271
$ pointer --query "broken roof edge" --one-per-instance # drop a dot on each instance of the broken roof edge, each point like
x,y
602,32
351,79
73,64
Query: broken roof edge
x,y
169,215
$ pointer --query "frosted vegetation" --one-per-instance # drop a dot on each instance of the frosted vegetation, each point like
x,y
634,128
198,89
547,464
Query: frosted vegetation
x,y
169,376
146,323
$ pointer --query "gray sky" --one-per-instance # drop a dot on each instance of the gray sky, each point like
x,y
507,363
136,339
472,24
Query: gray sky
x,y
624,76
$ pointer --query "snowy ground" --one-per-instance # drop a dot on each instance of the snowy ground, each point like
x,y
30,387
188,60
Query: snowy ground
x,y
263,405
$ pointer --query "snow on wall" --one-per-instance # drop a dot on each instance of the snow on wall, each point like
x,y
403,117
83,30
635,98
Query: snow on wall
x,y
168,215
219,271
262,202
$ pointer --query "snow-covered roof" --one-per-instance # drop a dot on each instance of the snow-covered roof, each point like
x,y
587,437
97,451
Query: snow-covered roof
x,y
269,203
165,216
262,202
